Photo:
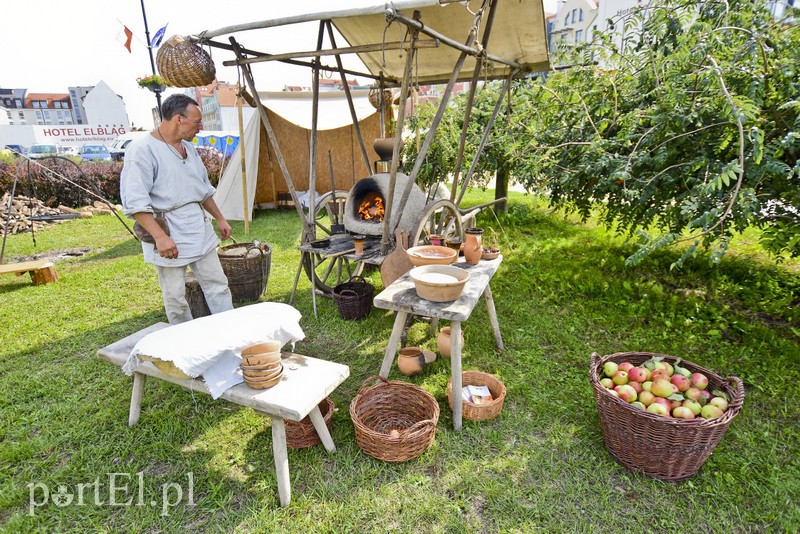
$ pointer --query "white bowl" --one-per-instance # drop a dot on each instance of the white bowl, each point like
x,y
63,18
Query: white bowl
x,y
439,283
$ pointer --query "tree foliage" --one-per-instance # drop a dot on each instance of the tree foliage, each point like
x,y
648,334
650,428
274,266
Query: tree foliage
x,y
689,131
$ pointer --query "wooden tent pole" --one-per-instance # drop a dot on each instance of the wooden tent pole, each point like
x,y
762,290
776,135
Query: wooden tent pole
x,y
270,132
398,136
349,99
471,98
312,158
245,202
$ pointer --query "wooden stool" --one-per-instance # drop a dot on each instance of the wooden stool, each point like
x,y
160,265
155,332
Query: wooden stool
x,y
42,271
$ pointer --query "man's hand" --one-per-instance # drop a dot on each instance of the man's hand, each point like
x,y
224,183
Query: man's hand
x,y
224,229
166,247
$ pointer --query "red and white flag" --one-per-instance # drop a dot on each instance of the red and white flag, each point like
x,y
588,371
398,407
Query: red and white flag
x,y
125,36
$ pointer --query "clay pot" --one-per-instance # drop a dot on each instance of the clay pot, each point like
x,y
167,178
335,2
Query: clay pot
x,y
358,241
473,249
443,341
411,361
384,147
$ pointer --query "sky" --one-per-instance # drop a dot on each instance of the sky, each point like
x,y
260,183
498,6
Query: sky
x,y
47,46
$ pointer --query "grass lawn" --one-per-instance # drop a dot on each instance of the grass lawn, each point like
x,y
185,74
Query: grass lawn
x,y
562,292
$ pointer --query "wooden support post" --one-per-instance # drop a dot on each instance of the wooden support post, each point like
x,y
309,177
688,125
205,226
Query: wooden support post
x,y
281,460
45,274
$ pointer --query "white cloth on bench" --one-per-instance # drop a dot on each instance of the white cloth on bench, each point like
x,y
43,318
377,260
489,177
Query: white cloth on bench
x,y
211,346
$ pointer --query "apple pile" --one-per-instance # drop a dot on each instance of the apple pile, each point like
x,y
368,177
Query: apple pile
x,y
664,389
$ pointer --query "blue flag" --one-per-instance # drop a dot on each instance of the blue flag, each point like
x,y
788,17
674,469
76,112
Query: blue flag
x,y
156,40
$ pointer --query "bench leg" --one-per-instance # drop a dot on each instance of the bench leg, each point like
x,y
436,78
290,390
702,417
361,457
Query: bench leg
x,y
281,461
455,371
394,339
136,398
322,429
498,338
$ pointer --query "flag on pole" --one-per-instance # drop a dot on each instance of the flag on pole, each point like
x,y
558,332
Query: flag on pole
x,y
125,36
155,42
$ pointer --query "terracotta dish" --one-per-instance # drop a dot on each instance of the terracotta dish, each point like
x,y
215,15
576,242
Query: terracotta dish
x,y
431,255
439,283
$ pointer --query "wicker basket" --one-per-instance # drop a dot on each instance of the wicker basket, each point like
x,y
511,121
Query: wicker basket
x,y
354,298
183,63
394,421
657,446
247,270
302,434
480,412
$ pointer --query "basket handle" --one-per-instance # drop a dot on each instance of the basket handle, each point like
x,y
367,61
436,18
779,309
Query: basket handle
x,y
594,365
348,292
416,426
373,377
736,383
357,278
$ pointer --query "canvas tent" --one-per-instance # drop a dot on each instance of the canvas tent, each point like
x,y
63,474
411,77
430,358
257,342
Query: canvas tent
x,y
290,116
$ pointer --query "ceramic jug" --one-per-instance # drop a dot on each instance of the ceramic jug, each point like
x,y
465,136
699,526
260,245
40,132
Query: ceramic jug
x,y
473,249
443,341
411,361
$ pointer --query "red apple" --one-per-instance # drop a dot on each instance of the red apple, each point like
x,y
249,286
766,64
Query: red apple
x,y
612,392
658,374
663,402
607,383
692,393
699,380
646,398
637,374
625,366
637,386
682,412
675,404
620,378
626,392
609,368
681,382
705,395
658,409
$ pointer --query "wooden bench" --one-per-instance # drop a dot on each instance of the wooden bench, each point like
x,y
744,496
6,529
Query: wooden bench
x,y
306,382
41,271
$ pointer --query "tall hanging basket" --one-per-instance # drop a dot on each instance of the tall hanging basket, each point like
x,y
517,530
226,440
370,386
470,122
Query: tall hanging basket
x,y
183,63
247,267
354,298
302,434
394,421
657,446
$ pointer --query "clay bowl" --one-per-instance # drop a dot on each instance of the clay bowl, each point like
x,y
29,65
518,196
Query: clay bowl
x,y
264,358
260,367
431,255
264,383
266,374
439,283
259,348
489,255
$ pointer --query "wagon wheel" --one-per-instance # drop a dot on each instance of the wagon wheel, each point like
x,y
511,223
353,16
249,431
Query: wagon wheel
x,y
327,273
441,217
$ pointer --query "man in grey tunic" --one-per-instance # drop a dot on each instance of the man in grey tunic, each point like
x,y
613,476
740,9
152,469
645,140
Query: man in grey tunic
x,y
164,174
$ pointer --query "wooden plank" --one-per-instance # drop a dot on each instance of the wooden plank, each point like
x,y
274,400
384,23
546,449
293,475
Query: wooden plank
x,y
402,296
24,266
306,381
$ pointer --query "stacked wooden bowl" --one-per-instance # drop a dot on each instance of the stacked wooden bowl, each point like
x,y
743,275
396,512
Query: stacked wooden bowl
x,y
261,365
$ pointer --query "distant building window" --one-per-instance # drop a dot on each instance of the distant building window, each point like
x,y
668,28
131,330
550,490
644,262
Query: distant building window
x,y
574,16
35,104
21,115
9,115
579,36
566,20
580,15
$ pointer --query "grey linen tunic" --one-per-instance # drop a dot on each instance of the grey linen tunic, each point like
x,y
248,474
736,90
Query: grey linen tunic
x,y
155,178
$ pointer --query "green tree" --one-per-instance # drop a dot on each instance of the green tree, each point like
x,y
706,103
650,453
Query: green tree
x,y
691,132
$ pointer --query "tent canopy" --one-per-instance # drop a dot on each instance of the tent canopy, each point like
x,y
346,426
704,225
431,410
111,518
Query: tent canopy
x,y
518,37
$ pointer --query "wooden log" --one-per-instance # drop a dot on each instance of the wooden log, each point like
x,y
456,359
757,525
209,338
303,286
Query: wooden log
x,y
45,274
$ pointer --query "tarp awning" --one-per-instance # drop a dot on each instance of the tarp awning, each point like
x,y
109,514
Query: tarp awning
x,y
518,34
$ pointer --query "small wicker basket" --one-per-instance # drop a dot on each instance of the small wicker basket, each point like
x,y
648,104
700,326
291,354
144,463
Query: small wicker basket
x,y
480,412
302,434
247,267
183,63
394,421
657,446
354,298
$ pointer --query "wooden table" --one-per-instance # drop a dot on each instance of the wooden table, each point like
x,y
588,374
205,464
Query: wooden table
x,y
401,296
41,271
306,382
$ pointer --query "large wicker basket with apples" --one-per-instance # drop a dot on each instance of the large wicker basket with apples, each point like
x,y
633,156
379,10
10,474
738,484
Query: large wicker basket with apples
x,y
666,443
